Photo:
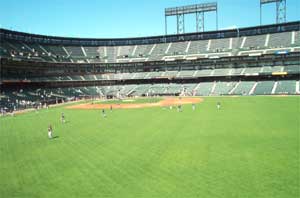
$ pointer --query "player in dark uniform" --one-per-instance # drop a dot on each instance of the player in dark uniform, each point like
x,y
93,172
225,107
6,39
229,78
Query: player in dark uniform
x,y
179,108
103,113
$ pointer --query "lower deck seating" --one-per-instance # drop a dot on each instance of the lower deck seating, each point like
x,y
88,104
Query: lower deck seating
x,y
223,88
264,88
286,87
189,89
140,90
204,89
243,88
18,99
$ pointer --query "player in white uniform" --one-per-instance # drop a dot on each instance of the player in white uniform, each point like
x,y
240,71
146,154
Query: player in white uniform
x,y
50,131
218,105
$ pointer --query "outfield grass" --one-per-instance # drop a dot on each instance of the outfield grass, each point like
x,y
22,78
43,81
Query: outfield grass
x,y
250,148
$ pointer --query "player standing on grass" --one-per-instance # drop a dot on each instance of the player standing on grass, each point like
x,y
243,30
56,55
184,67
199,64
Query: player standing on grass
x,y
111,108
50,131
103,113
193,107
218,105
63,118
179,108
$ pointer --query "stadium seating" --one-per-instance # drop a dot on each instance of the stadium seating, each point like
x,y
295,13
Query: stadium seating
x,y
286,87
198,47
297,38
177,48
30,97
186,73
264,88
143,50
140,90
140,75
204,72
56,50
243,88
135,53
154,75
159,51
223,88
74,51
171,74
280,39
253,70
269,69
189,89
204,89
221,72
254,42
111,54
218,45
125,51
92,52
173,89
236,71
293,69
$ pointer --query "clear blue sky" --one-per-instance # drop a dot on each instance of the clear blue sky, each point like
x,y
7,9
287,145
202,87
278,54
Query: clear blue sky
x,y
125,18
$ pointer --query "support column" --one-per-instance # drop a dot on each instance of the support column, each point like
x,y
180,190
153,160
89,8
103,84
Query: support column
x,y
199,21
166,25
180,23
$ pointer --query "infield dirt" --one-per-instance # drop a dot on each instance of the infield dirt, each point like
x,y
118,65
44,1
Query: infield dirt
x,y
162,103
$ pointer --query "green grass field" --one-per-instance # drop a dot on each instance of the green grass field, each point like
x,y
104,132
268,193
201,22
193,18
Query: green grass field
x,y
248,149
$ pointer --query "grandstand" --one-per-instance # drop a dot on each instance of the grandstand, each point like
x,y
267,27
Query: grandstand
x,y
261,60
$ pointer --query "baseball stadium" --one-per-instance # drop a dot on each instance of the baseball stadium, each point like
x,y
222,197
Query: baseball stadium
x,y
210,113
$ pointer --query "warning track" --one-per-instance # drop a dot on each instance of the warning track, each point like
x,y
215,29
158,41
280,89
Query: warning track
x,y
164,102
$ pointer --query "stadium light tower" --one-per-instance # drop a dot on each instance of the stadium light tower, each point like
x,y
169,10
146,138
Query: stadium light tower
x,y
280,10
198,9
